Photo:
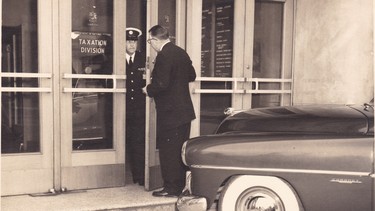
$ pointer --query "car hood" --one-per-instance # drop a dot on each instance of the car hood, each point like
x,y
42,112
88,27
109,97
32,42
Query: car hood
x,y
314,119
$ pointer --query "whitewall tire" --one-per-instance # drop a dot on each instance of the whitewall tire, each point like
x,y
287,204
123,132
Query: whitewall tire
x,y
258,193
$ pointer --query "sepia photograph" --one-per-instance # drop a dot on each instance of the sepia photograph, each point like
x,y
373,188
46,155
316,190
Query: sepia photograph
x,y
187,105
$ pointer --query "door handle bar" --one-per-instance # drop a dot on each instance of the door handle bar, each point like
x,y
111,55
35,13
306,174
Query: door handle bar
x,y
25,75
94,90
96,76
25,89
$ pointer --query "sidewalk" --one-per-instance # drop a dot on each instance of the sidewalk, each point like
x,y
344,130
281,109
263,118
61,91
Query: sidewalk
x,y
130,197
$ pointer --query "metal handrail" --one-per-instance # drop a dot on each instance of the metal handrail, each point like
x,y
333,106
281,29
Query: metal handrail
x,y
218,91
235,90
220,79
268,91
275,80
66,76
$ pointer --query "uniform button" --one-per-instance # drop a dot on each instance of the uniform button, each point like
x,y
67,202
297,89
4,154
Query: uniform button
x,y
131,73
132,98
132,81
132,90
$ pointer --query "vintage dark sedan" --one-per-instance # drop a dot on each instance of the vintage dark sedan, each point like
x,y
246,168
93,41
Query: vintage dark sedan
x,y
294,158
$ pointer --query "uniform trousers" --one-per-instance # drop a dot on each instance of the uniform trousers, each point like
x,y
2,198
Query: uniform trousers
x,y
173,170
135,144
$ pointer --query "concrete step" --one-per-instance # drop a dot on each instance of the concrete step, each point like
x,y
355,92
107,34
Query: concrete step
x,y
131,197
164,207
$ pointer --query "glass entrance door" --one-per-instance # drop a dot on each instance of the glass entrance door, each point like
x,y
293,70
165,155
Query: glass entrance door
x,y
245,56
26,97
92,93
63,84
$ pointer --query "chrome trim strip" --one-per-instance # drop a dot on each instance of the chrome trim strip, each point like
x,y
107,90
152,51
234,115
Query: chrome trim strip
x,y
183,153
346,181
349,173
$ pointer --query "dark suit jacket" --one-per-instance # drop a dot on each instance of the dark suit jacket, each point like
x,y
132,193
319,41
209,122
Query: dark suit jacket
x,y
169,87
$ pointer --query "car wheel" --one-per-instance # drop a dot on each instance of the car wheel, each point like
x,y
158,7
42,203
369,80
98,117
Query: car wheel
x,y
258,193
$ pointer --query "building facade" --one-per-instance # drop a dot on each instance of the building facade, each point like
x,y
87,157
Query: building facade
x,y
63,75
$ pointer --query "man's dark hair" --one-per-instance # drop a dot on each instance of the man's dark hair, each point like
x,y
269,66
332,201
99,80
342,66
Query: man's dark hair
x,y
159,32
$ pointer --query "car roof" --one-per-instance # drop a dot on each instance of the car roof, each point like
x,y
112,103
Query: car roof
x,y
336,119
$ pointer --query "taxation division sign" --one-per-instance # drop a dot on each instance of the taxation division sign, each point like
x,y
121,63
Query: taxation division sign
x,y
92,53
91,44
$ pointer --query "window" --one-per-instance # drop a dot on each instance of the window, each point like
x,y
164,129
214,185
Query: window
x,y
20,123
216,60
233,74
92,54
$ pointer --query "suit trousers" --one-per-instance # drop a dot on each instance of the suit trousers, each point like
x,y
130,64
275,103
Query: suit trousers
x,y
172,168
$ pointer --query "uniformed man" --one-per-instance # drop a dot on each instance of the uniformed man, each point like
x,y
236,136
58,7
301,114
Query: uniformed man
x,y
135,105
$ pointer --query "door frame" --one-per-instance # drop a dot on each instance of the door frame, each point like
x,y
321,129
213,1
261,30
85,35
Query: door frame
x,y
153,178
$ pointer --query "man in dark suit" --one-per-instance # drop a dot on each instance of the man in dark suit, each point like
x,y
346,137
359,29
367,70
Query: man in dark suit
x,y
169,87
135,105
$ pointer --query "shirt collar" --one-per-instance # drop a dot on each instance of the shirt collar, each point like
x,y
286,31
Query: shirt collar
x,y
161,48
128,57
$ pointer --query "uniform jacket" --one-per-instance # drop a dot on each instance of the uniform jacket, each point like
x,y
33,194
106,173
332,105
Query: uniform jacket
x,y
135,99
169,87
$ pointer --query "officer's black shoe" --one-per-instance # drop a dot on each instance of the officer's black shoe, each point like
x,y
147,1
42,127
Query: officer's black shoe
x,y
140,182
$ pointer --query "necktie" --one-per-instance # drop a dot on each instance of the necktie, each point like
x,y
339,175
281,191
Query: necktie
x,y
130,61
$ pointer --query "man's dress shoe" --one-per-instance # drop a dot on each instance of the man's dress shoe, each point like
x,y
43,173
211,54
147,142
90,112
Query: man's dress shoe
x,y
164,193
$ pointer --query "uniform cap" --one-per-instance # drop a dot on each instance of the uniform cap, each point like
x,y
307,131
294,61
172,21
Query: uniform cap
x,y
133,33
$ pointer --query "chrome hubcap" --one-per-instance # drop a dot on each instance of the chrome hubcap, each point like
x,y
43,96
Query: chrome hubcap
x,y
259,199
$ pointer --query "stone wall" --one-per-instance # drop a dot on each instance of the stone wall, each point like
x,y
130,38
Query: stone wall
x,y
333,52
